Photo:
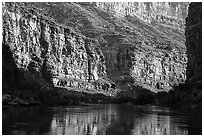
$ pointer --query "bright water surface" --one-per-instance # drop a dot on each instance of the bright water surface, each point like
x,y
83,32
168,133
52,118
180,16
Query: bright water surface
x,y
101,119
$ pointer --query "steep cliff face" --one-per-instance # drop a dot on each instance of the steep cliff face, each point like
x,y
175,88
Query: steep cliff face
x,y
169,13
137,44
146,43
158,71
156,62
189,94
193,34
43,48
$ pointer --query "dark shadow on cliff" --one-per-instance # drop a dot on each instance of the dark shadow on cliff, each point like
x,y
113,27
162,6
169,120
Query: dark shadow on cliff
x,y
131,93
10,73
187,95
137,95
17,84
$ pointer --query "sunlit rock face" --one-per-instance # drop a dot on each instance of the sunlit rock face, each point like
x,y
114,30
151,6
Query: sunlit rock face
x,y
44,48
193,34
169,13
157,59
143,41
139,43
158,71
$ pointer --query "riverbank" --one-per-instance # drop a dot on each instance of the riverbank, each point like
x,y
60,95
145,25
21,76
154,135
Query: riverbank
x,y
179,98
187,95
54,97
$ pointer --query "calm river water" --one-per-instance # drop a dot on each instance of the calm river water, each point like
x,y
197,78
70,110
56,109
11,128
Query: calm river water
x,y
110,119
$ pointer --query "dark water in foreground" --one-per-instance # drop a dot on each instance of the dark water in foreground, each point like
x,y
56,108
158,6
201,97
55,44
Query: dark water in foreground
x,y
101,119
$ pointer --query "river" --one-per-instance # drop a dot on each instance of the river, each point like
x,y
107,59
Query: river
x,y
102,119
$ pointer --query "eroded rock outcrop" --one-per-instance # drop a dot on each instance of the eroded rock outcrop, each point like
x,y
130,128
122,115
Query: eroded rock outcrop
x,y
43,48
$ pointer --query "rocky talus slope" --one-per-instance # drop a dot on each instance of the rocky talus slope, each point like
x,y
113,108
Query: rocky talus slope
x,y
94,47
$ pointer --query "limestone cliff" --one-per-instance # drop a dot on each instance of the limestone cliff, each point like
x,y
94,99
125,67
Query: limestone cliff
x,y
42,48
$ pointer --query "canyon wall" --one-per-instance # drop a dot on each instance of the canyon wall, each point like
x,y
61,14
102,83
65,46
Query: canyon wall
x,y
170,13
153,51
152,68
158,71
193,34
42,48
86,46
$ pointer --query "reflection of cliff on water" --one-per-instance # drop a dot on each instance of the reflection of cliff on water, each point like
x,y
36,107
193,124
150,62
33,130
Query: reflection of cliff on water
x,y
118,119
101,119
146,120
158,121
84,120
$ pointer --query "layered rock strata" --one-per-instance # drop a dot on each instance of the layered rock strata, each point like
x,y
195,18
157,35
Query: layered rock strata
x,y
153,70
158,71
145,47
154,62
49,50
131,45
170,13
